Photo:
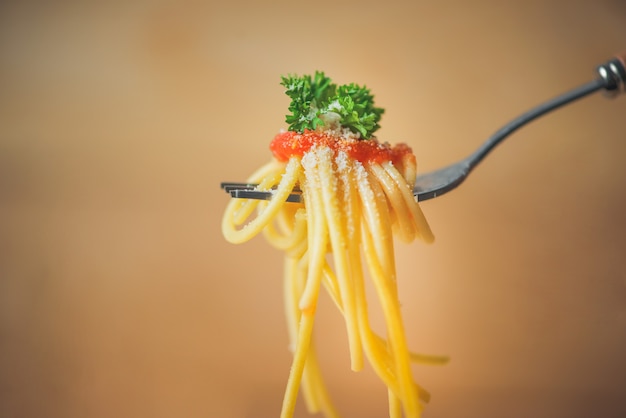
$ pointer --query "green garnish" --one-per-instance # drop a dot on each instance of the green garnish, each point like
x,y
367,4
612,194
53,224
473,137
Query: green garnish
x,y
316,98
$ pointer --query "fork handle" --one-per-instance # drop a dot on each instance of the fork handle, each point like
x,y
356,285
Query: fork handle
x,y
613,73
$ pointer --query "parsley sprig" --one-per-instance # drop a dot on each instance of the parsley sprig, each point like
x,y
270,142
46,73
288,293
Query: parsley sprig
x,y
313,97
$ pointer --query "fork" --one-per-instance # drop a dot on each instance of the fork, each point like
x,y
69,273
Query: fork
x,y
610,77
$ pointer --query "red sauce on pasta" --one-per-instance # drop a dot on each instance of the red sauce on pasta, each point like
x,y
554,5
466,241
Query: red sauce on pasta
x,y
293,144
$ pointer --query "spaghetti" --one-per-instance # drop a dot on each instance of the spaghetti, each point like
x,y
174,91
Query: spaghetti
x,y
357,194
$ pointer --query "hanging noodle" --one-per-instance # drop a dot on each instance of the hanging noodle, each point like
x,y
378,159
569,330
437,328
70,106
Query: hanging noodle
x,y
356,196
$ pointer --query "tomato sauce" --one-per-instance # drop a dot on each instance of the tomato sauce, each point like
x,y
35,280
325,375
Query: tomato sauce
x,y
293,144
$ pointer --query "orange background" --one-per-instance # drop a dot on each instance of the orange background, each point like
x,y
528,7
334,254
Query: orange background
x,y
120,298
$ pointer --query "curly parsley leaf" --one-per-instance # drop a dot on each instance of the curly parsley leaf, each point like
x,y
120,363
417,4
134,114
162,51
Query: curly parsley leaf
x,y
313,97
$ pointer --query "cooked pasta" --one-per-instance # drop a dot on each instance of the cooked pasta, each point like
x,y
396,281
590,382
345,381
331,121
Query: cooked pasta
x,y
357,195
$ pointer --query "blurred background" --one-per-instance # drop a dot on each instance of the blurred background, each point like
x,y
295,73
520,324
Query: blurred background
x,y
120,297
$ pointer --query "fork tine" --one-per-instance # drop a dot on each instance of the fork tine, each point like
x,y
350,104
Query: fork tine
x,y
263,195
248,191
228,186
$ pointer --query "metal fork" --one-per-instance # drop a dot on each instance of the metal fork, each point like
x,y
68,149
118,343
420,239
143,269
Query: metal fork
x,y
611,77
